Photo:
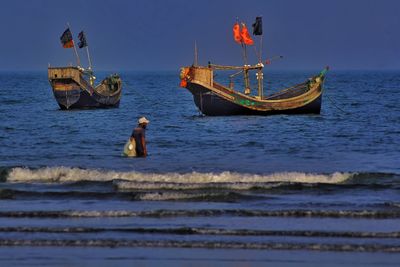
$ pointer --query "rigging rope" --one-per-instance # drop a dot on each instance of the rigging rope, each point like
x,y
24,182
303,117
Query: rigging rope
x,y
334,104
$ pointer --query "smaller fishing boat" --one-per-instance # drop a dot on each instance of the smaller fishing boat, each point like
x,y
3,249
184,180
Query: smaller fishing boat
x,y
215,99
73,91
73,86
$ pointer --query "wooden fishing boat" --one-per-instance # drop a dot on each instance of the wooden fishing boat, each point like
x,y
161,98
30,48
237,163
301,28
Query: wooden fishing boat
x,y
72,90
73,87
215,99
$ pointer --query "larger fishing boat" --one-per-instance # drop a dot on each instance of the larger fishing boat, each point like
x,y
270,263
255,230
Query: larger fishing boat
x,y
215,99
73,86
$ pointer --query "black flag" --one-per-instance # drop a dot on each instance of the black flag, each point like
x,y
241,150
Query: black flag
x,y
82,40
257,26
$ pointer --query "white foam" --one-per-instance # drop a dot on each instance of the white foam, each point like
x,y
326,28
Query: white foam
x,y
135,179
130,185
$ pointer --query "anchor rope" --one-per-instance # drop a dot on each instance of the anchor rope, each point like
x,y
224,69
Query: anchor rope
x,y
336,106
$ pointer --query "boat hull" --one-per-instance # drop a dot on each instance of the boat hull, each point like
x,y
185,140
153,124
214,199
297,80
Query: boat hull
x,y
80,99
211,104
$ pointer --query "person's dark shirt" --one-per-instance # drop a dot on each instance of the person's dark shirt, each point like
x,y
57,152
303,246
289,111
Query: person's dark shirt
x,y
137,134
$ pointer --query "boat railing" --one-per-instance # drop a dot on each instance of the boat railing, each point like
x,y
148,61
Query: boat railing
x,y
220,87
242,68
293,91
245,70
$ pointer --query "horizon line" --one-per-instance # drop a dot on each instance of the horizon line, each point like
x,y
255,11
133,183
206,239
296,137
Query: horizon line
x,y
177,70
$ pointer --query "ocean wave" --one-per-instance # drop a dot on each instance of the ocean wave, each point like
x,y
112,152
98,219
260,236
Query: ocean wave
x,y
189,180
32,194
175,195
362,214
392,204
195,196
199,244
203,231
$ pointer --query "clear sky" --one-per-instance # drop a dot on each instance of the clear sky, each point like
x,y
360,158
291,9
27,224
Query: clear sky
x,y
159,34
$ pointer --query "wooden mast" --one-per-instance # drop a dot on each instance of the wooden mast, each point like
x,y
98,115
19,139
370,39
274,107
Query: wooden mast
x,y
88,55
260,79
260,74
78,60
91,76
196,59
247,89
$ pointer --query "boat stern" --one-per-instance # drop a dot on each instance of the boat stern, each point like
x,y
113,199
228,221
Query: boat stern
x,y
65,85
196,74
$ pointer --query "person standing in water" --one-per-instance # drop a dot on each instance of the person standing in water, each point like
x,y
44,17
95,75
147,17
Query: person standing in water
x,y
139,136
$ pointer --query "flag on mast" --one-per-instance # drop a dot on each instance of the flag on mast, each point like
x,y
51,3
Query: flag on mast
x,y
82,40
66,39
246,36
236,33
257,26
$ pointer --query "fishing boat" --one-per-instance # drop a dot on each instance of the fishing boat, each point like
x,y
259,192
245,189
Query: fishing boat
x,y
215,99
72,90
73,86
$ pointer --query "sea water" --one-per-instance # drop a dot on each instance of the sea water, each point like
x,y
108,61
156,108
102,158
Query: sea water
x,y
242,190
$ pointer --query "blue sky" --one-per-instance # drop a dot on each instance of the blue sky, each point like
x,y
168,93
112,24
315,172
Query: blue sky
x,y
159,34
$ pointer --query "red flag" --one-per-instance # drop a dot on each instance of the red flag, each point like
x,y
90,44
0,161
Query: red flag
x,y
69,44
246,36
236,33
66,39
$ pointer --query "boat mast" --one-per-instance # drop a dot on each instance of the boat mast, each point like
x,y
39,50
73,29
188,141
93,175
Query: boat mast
x,y
196,57
78,60
91,76
247,89
260,79
88,55
83,43
260,74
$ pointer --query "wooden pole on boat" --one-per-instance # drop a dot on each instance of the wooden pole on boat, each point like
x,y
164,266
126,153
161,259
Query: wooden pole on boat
x,y
260,74
244,54
261,46
259,53
91,76
196,59
247,89
88,55
78,60
84,43
257,30
260,79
